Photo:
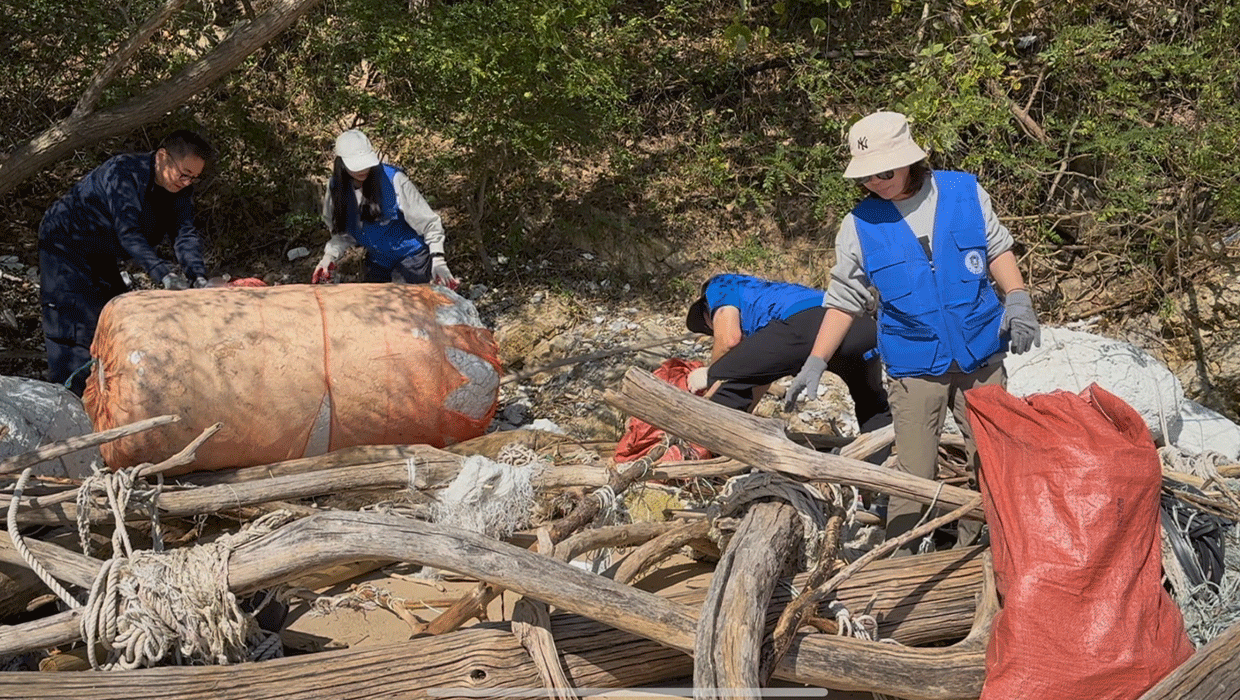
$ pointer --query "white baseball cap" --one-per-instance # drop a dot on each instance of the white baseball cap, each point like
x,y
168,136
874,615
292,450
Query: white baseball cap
x,y
354,149
880,142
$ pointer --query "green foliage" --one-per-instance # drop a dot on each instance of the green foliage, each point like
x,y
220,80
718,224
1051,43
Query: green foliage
x,y
514,116
746,256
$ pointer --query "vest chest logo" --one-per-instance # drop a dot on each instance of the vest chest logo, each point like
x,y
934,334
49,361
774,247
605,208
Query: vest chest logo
x,y
974,263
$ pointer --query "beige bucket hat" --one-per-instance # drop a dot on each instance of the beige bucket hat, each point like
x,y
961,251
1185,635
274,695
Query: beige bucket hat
x,y
879,142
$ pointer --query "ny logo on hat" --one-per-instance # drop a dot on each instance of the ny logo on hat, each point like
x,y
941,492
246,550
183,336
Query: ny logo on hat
x,y
862,143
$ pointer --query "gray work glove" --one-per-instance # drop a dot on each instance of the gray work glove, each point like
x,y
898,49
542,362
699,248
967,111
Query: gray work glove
x,y
805,381
201,282
1020,322
697,381
175,280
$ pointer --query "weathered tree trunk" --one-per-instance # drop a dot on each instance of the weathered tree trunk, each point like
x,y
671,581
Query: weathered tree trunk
x,y
733,618
761,442
83,128
1213,673
333,538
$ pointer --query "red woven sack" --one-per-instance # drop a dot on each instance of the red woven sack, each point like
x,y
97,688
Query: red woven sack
x,y
1070,484
640,437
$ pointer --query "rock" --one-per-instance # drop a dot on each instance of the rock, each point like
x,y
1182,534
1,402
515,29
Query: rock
x,y
1072,360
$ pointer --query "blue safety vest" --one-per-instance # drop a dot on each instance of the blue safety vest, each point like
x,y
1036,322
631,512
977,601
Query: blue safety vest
x,y
759,301
932,313
390,238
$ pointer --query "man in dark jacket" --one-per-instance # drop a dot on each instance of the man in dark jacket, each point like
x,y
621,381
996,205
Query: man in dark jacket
x,y
121,210
764,330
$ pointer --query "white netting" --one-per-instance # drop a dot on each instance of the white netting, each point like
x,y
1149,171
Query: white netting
x,y
493,498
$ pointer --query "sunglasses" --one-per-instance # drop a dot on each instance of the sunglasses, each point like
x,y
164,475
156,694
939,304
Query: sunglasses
x,y
885,175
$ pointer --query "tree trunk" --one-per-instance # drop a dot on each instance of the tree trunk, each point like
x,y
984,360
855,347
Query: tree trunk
x,y
83,129
733,618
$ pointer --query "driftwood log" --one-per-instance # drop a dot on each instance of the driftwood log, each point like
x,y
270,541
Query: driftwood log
x,y
1210,674
763,444
732,622
330,474
917,600
324,540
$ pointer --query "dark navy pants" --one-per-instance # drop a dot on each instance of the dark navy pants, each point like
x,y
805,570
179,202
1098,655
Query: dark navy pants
x,y
72,294
414,269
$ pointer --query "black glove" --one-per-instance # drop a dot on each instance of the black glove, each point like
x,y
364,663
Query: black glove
x,y
1020,322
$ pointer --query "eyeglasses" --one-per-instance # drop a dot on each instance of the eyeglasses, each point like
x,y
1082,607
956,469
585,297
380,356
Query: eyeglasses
x,y
182,176
885,175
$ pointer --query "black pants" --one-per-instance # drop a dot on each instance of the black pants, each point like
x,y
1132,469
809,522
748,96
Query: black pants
x,y
414,269
779,349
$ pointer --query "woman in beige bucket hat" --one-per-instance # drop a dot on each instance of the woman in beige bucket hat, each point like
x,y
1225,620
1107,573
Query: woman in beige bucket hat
x,y
926,249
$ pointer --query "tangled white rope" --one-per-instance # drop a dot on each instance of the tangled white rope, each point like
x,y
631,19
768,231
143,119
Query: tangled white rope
x,y
151,604
489,497
145,605
19,543
121,488
1204,465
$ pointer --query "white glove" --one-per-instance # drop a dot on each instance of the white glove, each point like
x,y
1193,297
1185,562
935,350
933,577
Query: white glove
x,y
440,274
697,380
175,280
325,270
806,381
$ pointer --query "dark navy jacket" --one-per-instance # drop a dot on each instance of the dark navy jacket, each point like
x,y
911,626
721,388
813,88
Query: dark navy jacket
x,y
117,212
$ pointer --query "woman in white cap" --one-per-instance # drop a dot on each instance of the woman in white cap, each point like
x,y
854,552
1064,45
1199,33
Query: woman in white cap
x,y
375,205
927,247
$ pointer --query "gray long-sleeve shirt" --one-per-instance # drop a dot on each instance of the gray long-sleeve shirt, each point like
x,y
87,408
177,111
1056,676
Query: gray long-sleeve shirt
x,y
849,289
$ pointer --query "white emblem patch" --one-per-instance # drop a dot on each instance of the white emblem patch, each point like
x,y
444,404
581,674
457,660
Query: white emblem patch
x,y
973,262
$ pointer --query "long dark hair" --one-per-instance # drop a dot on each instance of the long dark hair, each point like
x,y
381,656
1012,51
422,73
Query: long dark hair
x,y
917,173
342,191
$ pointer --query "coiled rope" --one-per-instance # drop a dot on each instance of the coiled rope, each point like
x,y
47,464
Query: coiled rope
x,y
145,606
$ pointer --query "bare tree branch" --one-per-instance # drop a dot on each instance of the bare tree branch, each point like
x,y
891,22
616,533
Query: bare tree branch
x,y
76,131
121,58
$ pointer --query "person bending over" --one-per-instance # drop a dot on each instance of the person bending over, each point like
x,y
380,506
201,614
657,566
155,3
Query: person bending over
x,y
374,205
764,331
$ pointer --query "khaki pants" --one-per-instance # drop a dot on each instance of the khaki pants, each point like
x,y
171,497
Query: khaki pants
x,y
918,408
